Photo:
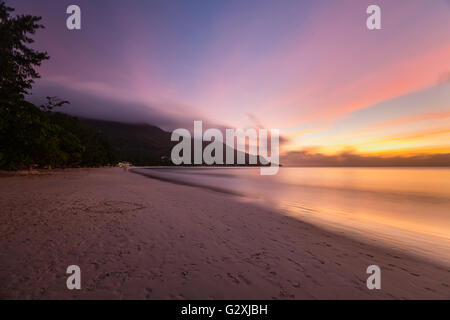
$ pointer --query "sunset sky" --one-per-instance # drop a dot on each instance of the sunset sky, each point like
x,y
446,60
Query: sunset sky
x,y
309,68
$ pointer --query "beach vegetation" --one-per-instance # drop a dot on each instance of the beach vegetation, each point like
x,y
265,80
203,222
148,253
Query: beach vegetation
x,y
36,135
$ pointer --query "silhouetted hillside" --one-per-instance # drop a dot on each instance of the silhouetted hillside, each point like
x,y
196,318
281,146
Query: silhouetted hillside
x,y
140,144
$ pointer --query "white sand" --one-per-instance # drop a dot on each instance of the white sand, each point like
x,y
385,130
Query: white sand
x,y
140,238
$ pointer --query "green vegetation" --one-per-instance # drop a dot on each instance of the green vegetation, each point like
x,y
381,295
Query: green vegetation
x,y
139,144
30,134
33,135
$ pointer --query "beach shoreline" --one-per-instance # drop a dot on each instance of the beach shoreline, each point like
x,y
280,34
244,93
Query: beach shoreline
x,y
139,238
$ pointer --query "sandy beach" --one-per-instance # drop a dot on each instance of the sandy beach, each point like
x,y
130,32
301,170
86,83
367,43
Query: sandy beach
x,y
139,238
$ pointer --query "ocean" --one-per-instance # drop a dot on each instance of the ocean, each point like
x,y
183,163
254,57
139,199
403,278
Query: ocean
x,y
403,208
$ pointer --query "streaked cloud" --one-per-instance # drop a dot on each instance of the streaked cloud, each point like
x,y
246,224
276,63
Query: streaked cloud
x,y
309,68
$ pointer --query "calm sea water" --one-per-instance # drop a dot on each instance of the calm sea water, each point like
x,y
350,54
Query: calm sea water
x,y
406,208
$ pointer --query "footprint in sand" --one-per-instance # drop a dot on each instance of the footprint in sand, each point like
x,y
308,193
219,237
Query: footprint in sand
x,y
115,207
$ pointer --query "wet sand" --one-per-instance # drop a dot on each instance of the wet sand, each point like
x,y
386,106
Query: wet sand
x,y
139,238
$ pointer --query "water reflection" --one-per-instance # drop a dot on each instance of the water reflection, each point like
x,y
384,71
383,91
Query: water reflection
x,y
403,207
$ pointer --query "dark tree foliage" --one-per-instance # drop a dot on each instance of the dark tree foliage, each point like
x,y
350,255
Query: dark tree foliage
x,y
32,135
84,146
139,144
17,60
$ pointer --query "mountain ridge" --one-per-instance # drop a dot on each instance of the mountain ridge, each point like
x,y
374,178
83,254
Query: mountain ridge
x,y
145,144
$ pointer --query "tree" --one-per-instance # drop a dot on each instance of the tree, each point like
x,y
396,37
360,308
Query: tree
x,y
24,130
30,134
17,59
